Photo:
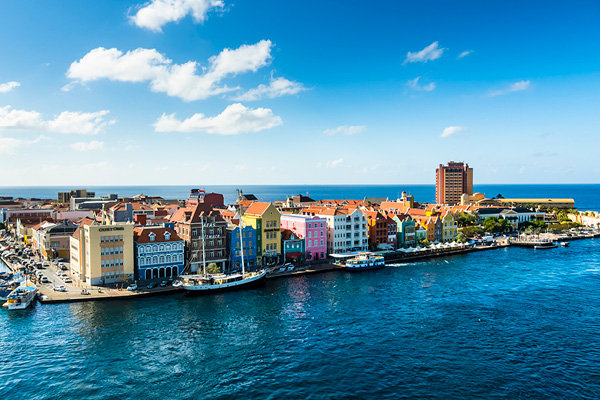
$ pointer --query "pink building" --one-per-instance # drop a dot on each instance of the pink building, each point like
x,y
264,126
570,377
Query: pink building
x,y
312,229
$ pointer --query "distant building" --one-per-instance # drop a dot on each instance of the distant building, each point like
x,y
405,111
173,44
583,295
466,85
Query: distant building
x,y
65,197
159,252
52,240
198,196
452,181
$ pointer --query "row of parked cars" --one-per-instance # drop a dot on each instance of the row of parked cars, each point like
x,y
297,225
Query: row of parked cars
x,y
151,285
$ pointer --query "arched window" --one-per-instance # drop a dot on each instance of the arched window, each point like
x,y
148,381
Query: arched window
x,y
161,248
168,258
155,248
167,247
148,274
155,260
142,261
181,257
162,259
147,260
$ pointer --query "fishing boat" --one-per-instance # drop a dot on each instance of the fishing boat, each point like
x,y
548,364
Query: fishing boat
x,y
21,297
212,283
564,244
364,261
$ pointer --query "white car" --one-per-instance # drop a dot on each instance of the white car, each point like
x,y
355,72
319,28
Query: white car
x,y
66,279
132,287
60,288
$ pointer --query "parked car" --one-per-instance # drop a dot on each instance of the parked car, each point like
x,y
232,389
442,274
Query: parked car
x,y
45,279
67,280
60,288
132,287
164,284
63,267
151,286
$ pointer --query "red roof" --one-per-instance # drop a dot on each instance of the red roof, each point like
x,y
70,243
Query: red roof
x,y
257,208
142,235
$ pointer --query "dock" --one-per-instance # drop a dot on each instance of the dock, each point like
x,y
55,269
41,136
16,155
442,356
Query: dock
x,y
48,296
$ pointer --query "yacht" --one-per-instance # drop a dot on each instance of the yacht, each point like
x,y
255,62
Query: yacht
x,y
21,297
365,261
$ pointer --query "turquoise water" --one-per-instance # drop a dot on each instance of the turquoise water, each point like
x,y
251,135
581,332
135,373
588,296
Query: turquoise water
x,y
587,196
507,323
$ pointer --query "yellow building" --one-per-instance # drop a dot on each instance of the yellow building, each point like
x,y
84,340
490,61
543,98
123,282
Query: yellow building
x,y
266,219
450,228
102,253
564,204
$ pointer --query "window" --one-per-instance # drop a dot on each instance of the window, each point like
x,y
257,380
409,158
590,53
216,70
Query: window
x,y
321,242
152,236
310,243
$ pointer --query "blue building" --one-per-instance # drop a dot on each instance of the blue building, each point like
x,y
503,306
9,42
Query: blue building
x,y
158,252
293,247
233,247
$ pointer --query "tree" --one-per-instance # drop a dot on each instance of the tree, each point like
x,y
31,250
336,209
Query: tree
x,y
492,225
425,243
461,238
505,225
212,268
499,196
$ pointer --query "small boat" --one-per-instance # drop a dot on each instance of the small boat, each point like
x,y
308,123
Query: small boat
x,y
364,261
21,297
564,244
546,246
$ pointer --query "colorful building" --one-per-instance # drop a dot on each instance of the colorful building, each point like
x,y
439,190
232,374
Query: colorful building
x,y
293,247
159,252
312,229
265,218
450,227
233,247
102,253
205,233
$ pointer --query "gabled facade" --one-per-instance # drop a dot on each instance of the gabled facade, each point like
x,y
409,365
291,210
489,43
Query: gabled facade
x,y
293,246
265,219
159,252
378,229
347,229
450,228
405,227
204,233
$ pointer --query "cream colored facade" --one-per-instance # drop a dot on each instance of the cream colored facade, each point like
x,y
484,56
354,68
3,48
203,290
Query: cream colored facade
x,y
450,228
103,253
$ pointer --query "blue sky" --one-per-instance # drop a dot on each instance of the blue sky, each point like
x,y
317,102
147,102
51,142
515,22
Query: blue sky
x,y
281,92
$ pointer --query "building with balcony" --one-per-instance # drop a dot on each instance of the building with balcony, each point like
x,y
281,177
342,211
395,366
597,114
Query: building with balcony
x,y
452,181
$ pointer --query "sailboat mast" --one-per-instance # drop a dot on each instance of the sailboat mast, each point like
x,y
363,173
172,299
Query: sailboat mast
x,y
203,248
242,245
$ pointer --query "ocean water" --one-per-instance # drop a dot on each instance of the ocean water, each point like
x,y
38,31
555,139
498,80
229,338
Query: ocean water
x,y
506,323
587,197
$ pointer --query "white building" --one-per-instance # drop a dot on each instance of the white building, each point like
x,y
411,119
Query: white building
x,y
346,230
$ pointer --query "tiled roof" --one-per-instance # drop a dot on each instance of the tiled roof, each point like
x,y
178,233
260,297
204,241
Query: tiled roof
x,y
257,208
142,235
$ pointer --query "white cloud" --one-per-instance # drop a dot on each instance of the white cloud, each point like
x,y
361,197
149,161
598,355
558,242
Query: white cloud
x,y
178,80
464,53
66,122
330,164
277,87
8,146
429,53
514,87
157,13
8,86
451,130
235,119
414,84
344,130
94,145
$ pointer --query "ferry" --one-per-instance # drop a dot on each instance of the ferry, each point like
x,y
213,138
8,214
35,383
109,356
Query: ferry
x,y
365,261
21,297
550,245
212,283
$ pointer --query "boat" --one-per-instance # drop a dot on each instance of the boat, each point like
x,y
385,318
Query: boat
x,y
213,283
546,246
564,244
364,261
21,297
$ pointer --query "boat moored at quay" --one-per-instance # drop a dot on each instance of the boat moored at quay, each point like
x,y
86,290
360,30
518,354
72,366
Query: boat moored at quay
x,y
21,297
211,283
364,261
